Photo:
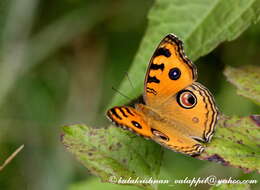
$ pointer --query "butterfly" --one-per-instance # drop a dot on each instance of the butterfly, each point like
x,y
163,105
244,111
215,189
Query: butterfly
x,y
176,112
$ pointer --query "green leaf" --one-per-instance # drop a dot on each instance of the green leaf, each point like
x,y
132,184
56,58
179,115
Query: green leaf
x,y
201,24
119,153
113,153
247,81
231,187
94,183
236,143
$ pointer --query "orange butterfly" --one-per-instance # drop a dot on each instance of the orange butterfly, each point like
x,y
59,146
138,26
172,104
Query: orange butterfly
x,y
177,112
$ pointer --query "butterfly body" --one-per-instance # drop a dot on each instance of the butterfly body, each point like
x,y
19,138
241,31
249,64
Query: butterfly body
x,y
177,112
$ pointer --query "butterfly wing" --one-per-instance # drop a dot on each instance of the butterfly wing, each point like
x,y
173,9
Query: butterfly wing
x,y
169,71
194,109
142,124
176,140
130,119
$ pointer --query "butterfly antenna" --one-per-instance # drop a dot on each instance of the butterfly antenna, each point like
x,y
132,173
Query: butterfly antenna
x,y
127,75
121,93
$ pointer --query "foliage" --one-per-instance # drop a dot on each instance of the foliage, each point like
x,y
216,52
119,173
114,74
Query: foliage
x,y
112,152
59,59
235,142
247,81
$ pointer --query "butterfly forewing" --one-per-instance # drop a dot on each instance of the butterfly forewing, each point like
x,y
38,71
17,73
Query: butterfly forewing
x,y
169,71
129,118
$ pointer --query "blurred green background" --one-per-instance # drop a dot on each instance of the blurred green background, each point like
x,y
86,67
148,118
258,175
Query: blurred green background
x,y
58,63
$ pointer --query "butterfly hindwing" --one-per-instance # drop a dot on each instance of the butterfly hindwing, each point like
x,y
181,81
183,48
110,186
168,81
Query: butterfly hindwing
x,y
167,135
194,109
206,110
168,72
